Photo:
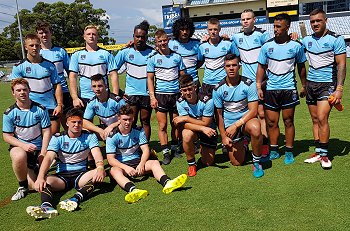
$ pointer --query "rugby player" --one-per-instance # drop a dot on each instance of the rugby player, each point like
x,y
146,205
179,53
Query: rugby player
x,y
136,91
44,83
165,66
196,112
249,42
88,62
105,106
58,56
278,57
236,105
327,69
212,53
26,128
71,149
128,154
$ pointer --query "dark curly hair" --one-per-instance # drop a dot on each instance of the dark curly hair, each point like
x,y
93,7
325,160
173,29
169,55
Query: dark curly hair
x,y
182,23
144,25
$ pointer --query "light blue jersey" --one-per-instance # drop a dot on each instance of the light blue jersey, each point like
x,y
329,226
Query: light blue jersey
x,y
26,125
281,60
203,108
136,69
41,78
72,153
213,56
59,57
321,54
88,63
126,147
189,54
166,70
233,100
107,111
249,46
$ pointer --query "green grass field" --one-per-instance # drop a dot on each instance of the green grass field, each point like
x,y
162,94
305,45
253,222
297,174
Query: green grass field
x,y
295,197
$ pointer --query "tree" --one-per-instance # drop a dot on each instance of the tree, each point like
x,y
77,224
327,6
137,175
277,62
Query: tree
x,y
68,22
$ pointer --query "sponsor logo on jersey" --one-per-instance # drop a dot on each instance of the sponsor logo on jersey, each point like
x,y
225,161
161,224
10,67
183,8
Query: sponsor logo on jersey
x,y
96,107
309,45
131,57
159,61
325,45
206,50
270,50
256,41
17,119
290,51
240,40
65,145
225,94
28,70
101,57
82,57
187,109
223,49
294,96
175,48
58,56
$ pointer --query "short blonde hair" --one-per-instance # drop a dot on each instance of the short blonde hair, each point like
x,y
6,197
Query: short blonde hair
x,y
92,27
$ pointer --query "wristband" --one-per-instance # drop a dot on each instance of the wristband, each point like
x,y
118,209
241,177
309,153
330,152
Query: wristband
x,y
101,167
99,161
258,85
340,88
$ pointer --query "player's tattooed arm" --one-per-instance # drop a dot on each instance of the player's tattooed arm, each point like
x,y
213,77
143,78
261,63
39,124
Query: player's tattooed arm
x,y
341,69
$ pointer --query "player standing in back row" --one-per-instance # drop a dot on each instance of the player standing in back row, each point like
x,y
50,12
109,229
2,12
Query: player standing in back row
x,y
327,69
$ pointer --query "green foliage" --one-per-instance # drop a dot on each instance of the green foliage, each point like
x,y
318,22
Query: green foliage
x,y
68,22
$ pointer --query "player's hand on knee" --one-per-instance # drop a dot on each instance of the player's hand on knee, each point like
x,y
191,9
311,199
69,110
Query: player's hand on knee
x,y
140,169
29,147
130,171
78,103
231,131
99,175
209,131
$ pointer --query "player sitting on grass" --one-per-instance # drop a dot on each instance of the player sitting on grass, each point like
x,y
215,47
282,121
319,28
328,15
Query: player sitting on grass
x,y
196,117
71,148
26,128
105,105
128,152
236,103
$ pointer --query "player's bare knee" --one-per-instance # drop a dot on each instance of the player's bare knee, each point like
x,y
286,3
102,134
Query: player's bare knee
x,y
288,122
187,136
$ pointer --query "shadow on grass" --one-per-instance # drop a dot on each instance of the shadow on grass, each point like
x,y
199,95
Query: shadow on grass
x,y
155,145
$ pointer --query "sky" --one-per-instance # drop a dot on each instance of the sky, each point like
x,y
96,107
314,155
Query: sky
x,y
124,14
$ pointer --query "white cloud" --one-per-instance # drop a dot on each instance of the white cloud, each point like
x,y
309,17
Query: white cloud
x,y
153,14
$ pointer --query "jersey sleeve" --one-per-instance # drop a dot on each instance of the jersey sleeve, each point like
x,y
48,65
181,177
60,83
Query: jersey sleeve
x,y
181,64
209,108
150,65
16,72
54,75
119,59
252,93
54,144
200,55
120,104
66,60
74,64
110,145
142,137
262,59
233,49
264,37
301,57
7,124
93,141
111,64
89,112
45,119
217,99
339,46
180,109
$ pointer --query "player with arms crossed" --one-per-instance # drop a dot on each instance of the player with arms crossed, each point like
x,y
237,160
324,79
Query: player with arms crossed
x,y
279,56
26,128
71,148
236,103
196,113
327,69
128,154
165,66
44,83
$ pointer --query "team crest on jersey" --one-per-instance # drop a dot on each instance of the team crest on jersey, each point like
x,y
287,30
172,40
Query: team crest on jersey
x,y
309,45
58,56
187,109
120,142
240,40
290,51
96,107
270,51
175,48
225,93
206,50
131,57
65,145
256,41
82,57
17,119
28,69
159,61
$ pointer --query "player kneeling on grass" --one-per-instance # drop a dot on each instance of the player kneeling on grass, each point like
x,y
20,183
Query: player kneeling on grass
x,y
71,148
196,118
124,149
236,102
